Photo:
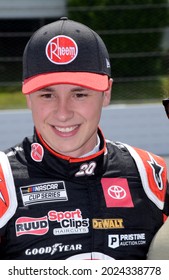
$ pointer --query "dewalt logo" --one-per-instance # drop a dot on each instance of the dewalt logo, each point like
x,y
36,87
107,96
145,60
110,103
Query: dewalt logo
x,y
107,223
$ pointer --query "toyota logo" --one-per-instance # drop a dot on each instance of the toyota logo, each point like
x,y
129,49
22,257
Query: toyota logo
x,y
116,192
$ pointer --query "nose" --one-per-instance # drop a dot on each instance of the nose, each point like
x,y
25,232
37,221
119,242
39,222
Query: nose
x,y
63,110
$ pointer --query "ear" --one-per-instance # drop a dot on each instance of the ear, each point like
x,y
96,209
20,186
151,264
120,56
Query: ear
x,y
107,94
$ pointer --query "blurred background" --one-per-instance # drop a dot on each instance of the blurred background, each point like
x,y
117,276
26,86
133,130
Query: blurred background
x,y
136,33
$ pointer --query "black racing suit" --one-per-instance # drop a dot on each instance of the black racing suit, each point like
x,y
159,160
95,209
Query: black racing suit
x,y
86,208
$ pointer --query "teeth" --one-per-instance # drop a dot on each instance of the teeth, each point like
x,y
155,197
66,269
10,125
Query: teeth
x,y
66,129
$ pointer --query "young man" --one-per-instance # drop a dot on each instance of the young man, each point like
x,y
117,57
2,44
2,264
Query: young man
x,y
66,192
159,248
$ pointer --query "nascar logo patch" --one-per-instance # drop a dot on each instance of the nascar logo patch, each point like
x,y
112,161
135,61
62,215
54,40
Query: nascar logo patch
x,y
43,193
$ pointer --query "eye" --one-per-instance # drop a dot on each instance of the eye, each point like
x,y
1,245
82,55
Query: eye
x,y
80,95
47,95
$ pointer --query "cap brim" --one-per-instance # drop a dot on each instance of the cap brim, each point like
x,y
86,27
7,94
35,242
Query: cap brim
x,y
93,81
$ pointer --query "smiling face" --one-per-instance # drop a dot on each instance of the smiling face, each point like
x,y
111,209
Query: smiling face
x,y
67,117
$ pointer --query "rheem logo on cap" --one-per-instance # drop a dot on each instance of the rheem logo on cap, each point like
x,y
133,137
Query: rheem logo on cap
x,y
61,50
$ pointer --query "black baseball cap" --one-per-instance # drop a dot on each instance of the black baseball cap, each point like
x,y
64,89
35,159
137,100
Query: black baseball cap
x,y
65,52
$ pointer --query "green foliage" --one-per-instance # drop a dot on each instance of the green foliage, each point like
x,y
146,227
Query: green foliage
x,y
134,38
12,98
141,91
132,35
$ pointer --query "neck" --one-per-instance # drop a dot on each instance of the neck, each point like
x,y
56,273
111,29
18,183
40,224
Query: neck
x,y
94,150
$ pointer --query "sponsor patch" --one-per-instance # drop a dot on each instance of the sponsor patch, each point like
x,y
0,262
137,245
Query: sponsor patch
x,y
116,192
44,192
133,239
37,152
107,223
51,250
31,226
69,222
61,50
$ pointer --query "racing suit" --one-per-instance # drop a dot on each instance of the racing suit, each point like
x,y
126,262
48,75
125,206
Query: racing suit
x,y
105,206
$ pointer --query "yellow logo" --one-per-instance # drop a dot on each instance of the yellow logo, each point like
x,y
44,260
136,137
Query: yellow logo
x,y
107,223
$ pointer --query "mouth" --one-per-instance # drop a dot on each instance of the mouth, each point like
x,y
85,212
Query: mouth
x,y
66,131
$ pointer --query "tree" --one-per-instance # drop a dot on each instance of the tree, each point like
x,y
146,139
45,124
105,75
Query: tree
x,y
132,31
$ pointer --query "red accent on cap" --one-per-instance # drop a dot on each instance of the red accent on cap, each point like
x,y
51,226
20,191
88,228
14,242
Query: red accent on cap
x,y
93,81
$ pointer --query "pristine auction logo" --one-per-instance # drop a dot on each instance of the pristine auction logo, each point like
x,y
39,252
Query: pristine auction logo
x,y
132,239
61,50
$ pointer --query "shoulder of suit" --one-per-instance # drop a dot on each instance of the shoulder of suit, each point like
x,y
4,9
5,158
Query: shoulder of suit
x,y
153,173
8,199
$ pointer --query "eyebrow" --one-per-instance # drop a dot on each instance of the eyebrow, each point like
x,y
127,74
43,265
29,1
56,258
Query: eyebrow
x,y
46,89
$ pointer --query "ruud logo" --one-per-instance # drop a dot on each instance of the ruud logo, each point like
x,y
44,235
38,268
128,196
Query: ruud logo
x,y
61,50
28,225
